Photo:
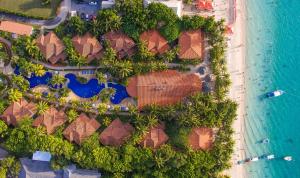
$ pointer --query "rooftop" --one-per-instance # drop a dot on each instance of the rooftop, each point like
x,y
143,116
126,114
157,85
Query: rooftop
x,y
81,128
17,111
154,42
16,28
155,137
121,43
87,46
51,47
162,88
201,138
116,133
205,5
51,119
190,45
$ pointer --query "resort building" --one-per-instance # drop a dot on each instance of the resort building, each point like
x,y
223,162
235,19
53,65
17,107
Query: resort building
x,y
116,133
34,169
155,137
51,47
18,111
155,42
80,129
175,5
121,43
162,88
206,5
16,28
201,138
51,119
191,45
87,46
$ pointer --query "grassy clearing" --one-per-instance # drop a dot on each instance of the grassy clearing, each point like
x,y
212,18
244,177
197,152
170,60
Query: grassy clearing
x,y
30,8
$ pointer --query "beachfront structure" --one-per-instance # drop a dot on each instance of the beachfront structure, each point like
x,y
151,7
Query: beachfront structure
x,y
201,138
155,43
121,43
191,45
17,111
16,28
175,5
51,47
51,119
34,168
87,46
206,5
116,133
80,129
155,137
162,88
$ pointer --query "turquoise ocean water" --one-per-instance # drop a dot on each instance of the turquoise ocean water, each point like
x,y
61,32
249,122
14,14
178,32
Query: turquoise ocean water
x,y
273,62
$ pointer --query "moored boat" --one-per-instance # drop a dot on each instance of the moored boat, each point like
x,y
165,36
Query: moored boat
x,y
275,93
288,158
254,159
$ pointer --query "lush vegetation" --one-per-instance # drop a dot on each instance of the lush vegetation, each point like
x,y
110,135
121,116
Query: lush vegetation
x,y
174,159
39,9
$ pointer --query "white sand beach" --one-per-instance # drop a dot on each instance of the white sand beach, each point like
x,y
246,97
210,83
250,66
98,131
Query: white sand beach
x,y
236,67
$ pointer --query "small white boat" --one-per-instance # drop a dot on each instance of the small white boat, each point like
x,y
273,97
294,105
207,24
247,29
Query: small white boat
x,y
269,157
288,158
275,93
254,159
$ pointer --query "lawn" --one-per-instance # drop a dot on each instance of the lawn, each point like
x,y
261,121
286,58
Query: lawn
x,y
30,8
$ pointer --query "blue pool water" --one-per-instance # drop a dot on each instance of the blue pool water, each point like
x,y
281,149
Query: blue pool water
x,y
273,62
87,90
121,93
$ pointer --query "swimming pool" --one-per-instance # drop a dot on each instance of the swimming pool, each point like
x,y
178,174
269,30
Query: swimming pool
x,y
86,90
93,88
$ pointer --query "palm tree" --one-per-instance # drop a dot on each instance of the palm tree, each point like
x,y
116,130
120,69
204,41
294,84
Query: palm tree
x,y
14,95
21,82
86,106
31,48
124,69
42,107
106,121
39,70
72,115
102,108
57,80
102,78
37,95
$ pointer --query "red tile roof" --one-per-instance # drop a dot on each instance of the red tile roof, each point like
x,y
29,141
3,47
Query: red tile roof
x,y
116,133
190,45
51,47
87,46
81,128
201,138
16,28
121,43
204,5
155,137
51,119
162,88
155,42
17,111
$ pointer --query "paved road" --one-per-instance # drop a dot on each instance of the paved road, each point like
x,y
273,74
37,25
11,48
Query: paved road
x,y
46,24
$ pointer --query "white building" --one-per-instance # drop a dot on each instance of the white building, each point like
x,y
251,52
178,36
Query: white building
x,y
106,4
176,5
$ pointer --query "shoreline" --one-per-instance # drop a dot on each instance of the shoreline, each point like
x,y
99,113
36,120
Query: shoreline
x,y
236,62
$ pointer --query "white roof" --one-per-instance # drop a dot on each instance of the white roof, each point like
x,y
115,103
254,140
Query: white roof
x,y
41,156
